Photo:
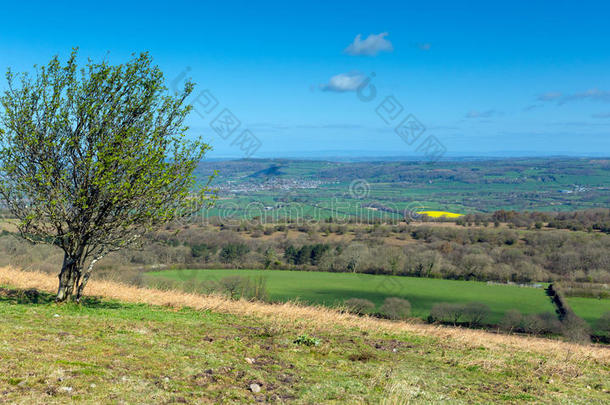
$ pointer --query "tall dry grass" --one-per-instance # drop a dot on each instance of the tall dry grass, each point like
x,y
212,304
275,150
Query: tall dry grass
x,y
562,356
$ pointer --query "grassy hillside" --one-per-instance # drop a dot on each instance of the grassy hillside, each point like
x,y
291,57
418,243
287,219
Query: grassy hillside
x,y
334,288
149,347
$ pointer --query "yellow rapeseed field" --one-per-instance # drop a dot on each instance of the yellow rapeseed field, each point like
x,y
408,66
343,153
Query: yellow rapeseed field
x,y
438,214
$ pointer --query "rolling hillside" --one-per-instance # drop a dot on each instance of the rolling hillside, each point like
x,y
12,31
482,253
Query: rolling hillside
x,y
140,346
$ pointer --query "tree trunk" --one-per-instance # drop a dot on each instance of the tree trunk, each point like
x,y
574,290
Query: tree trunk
x,y
83,281
68,278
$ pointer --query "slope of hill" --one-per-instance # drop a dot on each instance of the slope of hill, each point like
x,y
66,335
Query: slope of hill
x,y
139,345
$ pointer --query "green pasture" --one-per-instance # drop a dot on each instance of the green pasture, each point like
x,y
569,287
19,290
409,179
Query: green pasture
x,y
332,289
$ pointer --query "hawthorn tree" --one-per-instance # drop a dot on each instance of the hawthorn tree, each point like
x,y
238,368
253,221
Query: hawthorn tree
x,y
93,158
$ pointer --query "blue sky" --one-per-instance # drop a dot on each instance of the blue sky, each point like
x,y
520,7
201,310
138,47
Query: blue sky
x,y
486,78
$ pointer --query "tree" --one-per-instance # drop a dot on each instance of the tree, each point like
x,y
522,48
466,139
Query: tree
x,y
233,252
93,158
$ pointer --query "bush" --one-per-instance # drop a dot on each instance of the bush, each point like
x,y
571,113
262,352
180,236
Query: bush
x,y
475,313
359,306
446,312
575,329
231,285
511,321
396,308
537,324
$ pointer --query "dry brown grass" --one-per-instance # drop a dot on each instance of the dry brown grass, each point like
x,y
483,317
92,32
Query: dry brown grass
x,y
560,355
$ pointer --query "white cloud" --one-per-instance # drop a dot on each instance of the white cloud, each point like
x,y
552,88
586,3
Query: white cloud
x,y
371,46
343,82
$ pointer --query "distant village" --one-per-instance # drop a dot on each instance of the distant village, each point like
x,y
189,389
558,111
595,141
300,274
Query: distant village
x,y
274,183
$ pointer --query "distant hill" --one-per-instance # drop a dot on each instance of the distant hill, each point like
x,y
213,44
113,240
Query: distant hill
x,y
273,170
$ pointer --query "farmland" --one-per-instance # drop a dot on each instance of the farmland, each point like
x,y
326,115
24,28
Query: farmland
x,y
272,188
333,289
440,214
590,309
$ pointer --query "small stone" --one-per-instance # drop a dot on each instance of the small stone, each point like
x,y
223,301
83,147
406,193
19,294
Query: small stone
x,y
255,388
56,316
65,389
166,379
250,361
92,385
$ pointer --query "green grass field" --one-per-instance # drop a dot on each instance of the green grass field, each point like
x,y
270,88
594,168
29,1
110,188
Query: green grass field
x,y
106,351
590,309
333,288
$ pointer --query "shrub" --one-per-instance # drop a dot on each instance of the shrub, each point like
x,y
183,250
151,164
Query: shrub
x,y
511,321
231,285
475,313
446,312
396,308
575,329
359,306
545,322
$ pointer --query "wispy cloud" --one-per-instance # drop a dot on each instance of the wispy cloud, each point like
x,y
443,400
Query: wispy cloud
x,y
588,95
550,96
344,82
371,46
531,107
593,95
481,114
